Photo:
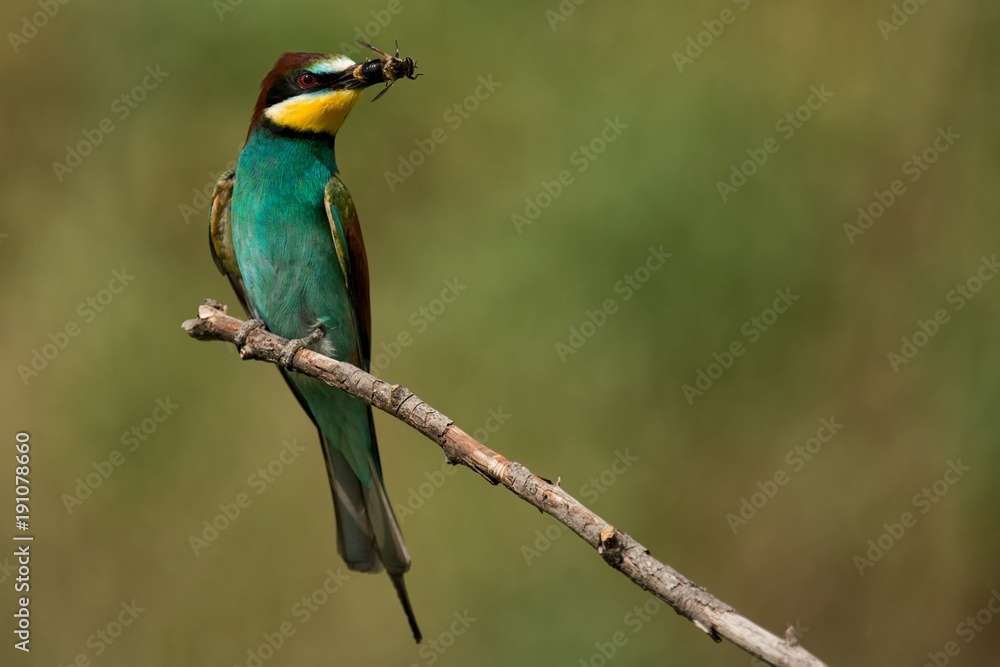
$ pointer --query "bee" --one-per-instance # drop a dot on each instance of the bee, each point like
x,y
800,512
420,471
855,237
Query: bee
x,y
389,67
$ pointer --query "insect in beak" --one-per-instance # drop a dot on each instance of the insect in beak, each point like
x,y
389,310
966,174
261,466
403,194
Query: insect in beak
x,y
392,66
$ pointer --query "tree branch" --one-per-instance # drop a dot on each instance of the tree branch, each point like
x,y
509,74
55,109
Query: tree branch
x,y
619,550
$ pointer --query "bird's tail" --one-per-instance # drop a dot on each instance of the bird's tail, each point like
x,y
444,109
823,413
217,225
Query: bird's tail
x,y
368,534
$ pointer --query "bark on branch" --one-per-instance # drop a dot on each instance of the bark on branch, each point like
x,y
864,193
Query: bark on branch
x,y
618,549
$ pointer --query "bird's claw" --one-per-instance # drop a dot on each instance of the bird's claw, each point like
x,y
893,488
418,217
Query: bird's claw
x,y
293,346
240,339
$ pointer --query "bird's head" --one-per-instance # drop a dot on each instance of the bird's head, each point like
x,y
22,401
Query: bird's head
x,y
310,92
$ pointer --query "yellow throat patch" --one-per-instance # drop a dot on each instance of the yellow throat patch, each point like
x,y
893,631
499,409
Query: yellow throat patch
x,y
315,112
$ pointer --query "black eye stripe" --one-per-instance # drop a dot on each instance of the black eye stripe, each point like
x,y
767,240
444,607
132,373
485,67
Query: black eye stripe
x,y
288,86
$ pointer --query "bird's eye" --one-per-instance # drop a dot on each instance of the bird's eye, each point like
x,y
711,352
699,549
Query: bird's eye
x,y
307,80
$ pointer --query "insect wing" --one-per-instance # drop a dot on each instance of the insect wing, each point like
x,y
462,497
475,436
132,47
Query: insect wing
x,y
384,90
383,54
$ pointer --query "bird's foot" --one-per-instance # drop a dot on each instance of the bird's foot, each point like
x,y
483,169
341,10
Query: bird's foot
x,y
240,339
293,346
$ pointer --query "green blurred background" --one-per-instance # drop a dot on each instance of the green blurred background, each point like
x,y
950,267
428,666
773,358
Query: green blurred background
x,y
133,205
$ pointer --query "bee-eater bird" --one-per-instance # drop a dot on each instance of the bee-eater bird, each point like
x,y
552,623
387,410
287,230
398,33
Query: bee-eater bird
x,y
283,229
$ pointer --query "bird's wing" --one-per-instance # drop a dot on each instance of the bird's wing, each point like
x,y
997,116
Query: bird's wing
x,y
220,236
350,246
384,527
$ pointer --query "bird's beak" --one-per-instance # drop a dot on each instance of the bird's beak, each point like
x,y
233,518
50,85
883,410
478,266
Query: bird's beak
x,y
387,69
358,77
